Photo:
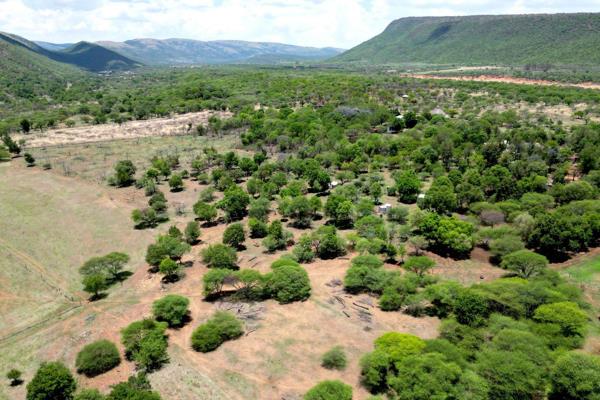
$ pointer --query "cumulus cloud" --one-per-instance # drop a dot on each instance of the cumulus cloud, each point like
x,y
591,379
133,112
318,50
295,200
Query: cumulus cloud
x,y
339,23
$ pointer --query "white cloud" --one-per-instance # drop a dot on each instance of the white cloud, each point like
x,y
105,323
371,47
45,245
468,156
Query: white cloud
x,y
340,23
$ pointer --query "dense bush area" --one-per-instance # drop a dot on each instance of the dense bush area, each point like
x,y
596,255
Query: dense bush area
x,y
221,327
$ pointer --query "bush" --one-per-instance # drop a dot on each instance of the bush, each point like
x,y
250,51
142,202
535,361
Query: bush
x,y
14,376
89,394
288,283
205,212
234,236
192,232
172,309
575,376
52,381
365,275
329,390
334,359
97,358
146,344
419,264
219,256
221,327
258,228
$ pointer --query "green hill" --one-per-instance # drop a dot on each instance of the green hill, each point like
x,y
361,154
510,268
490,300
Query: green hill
x,y
89,56
28,75
565,39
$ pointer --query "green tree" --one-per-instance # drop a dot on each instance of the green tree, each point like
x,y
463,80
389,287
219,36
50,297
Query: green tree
x,y
407,186
575,376
234,236
52,381
219,256
329,390
192,232
566,315
29,159
258,228
172,309
169,269
166,247
234,203
89,394
304,250
221,327
124,173
289,283
14,376
94,284
419,264
146,344
176,183
205,212
97,358
525,263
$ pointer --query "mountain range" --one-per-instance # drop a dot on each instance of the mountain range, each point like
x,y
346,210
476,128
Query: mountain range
x,y
568,39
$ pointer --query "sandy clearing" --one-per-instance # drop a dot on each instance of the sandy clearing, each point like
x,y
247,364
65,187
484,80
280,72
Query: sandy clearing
x,y
180,124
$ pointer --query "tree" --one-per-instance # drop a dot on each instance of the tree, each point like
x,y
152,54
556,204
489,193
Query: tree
x,y
419,264
288,283
329,390
328,244
471,308
277,238
258,228
29,159
145,218
398,214
335,358
166,247
25,125
52,381
575,376
137,387
570,319
440,198
505,244
371,227
94,284
300,209
176,183
192,232
340,210
172,309
304,250
89,394
219,256
419,243
146,344
97,358
111,265
407,186
205,212
169,269
259,209
124,173
365,275
221,327
234,203
14,376
524,263
234,236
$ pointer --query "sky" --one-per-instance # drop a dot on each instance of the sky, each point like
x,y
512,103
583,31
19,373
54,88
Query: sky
x,y
318,23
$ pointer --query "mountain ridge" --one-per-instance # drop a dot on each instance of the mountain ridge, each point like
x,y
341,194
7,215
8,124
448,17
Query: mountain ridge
x,y
516,39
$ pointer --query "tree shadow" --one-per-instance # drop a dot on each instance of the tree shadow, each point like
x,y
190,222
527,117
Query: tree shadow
x,y
188,264
16,382
121,276
99,296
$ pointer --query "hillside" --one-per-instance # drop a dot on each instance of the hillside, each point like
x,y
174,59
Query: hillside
x,y
186,51
27,75
89,56
567,39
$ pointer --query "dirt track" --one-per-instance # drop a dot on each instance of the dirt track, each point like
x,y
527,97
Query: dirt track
x,y
504,79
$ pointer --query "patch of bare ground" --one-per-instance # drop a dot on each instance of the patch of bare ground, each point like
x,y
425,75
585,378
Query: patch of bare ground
x,y
504,79
179,124
476,269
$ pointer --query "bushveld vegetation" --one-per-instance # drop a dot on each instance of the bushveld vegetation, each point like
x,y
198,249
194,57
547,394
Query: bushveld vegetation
x,y
395,176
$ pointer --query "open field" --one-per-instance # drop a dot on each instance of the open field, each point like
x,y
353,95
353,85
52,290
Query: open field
x,y
178,124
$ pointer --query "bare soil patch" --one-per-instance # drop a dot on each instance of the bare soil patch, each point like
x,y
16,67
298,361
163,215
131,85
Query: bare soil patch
x,y
179,124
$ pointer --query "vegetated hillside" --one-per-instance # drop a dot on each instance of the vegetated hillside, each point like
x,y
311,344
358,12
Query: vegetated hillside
x,y
503,39
186,51
28,75
89,56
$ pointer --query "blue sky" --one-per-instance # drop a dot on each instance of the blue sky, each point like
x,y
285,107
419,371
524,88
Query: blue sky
x,y
338,23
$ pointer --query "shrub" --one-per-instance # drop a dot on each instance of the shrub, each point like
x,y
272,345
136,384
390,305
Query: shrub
x,y
329,390
303,251
334,358
89,394
219,256
172,309
146,344
97,357
192,232
471,308
168,268
234,236
14,376
566,315
205,212
575,376
221,327
52,381
289,283
419,264
258,228
365,274
176,183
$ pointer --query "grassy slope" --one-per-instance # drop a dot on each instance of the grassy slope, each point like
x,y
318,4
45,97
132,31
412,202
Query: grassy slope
x,y
479,40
